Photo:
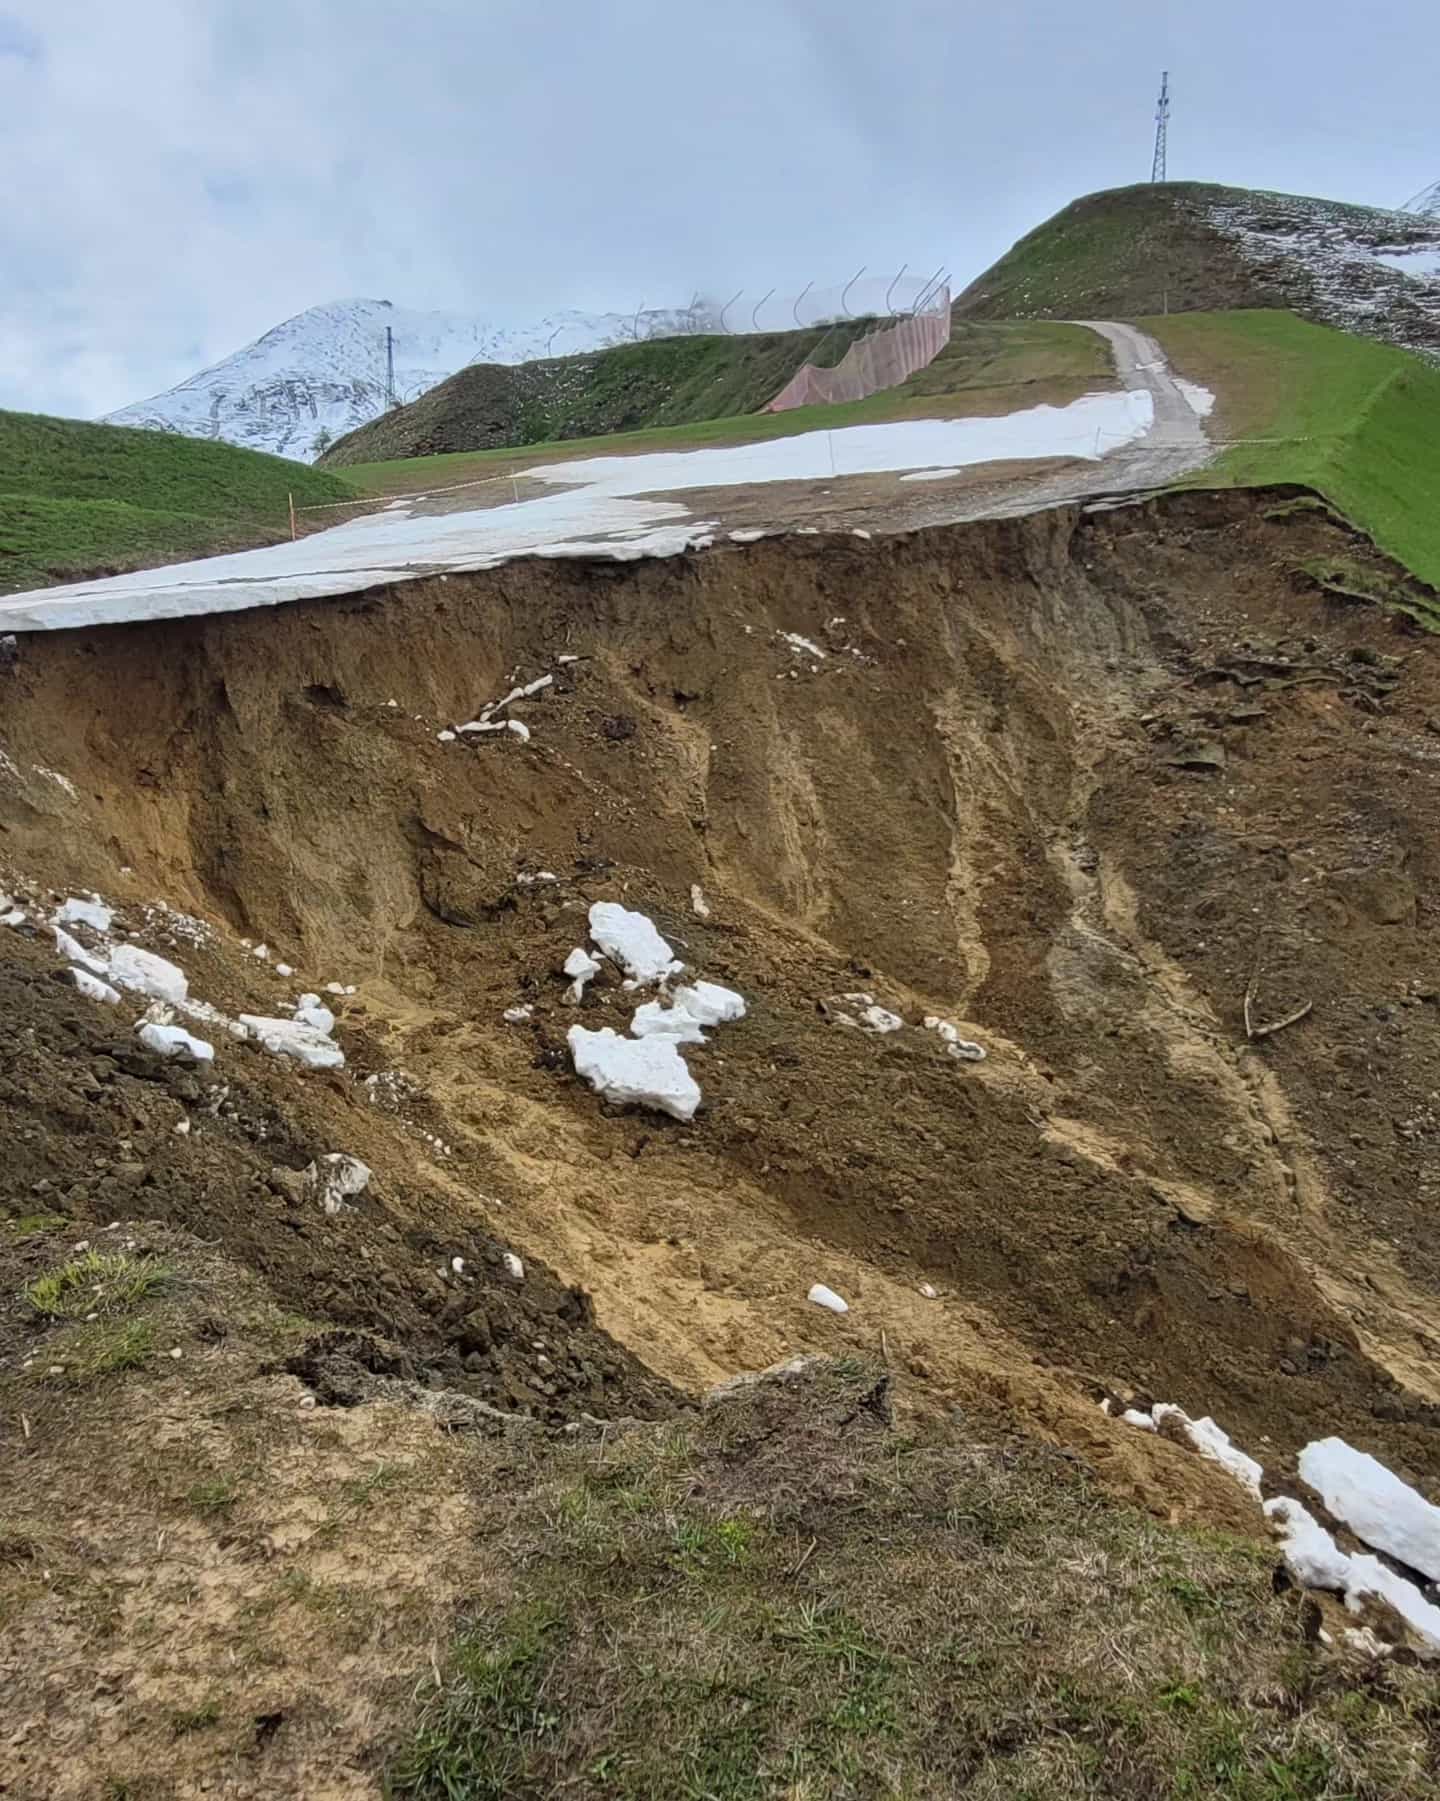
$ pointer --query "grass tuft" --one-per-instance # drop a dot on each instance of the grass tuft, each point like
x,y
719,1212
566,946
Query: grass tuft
x,y
97,1282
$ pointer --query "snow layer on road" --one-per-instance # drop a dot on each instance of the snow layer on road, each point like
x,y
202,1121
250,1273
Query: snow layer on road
x,y
1201,400
597,503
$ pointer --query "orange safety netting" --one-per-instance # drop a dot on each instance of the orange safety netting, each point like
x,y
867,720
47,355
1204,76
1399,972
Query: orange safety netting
x,y
883,360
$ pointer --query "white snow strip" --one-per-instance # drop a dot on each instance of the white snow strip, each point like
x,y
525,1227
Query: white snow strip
x,y
929,475
880,1020
1311,1555
94,988
1374,1503
1200,400
289,1038
965,1049
749,534
1212,1443
644,1072
75,952
802,647
582,967
519,729
171,1041
631,940
827,1297
596,499
93,913
516,1016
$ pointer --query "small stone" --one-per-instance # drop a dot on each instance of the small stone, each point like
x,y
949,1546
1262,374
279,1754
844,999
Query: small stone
x,y
177,1353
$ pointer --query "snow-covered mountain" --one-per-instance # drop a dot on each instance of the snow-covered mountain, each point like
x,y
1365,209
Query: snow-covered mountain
x,y
322,373
1426,203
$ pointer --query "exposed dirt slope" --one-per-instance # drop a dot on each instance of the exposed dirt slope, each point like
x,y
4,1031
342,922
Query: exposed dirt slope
x,y
957,807
1193,247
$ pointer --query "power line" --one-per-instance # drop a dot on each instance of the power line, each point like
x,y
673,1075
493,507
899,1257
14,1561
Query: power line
x,y
1162,124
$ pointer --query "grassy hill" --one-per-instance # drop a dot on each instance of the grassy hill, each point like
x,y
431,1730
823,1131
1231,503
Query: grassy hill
x,y
79,500
1356,421
1194,247
663,381
988,367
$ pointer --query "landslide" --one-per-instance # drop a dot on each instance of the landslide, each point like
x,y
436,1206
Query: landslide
x,y
1076,782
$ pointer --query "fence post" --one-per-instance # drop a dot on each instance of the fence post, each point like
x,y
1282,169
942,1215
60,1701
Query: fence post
x,y
291,499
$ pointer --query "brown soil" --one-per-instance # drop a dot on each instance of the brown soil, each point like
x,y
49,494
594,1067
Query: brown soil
x,y
1073,781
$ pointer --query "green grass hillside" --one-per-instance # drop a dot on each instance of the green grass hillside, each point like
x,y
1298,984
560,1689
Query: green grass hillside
x,y
663,381
1195,247
1357,421
79,500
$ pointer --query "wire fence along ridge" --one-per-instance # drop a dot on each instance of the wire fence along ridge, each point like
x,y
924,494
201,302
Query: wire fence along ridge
x,y
884,359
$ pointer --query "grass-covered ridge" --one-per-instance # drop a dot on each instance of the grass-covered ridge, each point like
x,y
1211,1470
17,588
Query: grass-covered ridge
x,y
1357,421
989,367
78,499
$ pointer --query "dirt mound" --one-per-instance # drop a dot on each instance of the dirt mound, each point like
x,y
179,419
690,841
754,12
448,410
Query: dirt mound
x,y
960,772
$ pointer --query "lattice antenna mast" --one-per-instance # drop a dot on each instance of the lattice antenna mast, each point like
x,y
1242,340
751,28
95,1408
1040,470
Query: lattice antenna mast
x,y
1162,125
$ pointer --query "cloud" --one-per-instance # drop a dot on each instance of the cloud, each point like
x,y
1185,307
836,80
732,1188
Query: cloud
x,y
196,170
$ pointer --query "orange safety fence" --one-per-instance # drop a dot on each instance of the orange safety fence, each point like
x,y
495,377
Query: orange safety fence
x,y
882,360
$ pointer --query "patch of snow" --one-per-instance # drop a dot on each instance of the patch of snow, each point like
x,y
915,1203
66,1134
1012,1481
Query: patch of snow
x,y
75,952
1374,1503
171,1041
290,1038
1311,1554
827,1297
262,951
631,940
93,913
321,1018
513,1266
699,906
445,737
956,1046
1368,1576
1211,1442
94,988
879,1020
805,647
283,969
1422,263
749,534
516,1016
929,475
582,967
60,781
519,728
1363,1640
709,1003
15,916
656,1020
644,1072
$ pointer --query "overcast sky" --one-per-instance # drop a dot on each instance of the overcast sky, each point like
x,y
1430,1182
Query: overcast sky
x,y
179,175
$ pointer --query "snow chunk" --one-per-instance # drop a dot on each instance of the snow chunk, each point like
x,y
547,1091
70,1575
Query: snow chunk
x,y
827,1297
1374,1503
335,1179
709,1003
146,973
582,967
514,1266
802,647
1368,1576
516,1016
631,940
699,906
14,917
519,728
94,988
311,1011
1200,400
283,969
646,1072
1212,1443
445,737
1311,1555
93,913
75,952
171,1041
955,1046
656,1020
879,1020
292,1038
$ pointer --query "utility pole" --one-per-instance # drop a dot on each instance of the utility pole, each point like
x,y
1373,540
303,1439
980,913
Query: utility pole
x,y
390,399
1162,123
